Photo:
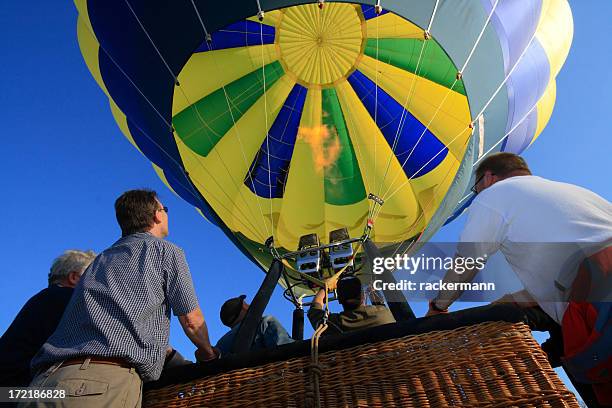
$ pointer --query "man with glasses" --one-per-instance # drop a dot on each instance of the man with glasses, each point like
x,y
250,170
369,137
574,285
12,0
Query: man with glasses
x,y
114,332
557,238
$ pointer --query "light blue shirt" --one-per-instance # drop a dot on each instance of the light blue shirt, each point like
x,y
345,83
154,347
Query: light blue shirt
x,y
270,334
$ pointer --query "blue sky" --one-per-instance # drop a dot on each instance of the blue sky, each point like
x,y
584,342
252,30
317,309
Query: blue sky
x,y
64,160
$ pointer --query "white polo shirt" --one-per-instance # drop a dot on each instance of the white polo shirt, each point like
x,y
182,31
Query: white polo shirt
x,y
543,228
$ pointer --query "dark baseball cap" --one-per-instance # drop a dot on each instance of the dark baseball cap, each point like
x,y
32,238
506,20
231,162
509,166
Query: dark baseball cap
x,y
231,310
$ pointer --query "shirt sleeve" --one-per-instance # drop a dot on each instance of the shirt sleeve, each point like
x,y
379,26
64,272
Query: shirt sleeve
x,y
315,315
483,233
179,285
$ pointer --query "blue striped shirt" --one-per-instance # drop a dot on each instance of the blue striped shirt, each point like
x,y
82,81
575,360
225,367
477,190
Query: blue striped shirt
x,y
121,306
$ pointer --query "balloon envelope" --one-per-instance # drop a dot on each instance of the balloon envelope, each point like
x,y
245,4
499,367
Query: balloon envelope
x,y
281,126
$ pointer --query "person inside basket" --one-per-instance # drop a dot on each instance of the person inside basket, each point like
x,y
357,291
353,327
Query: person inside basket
x,y
114,332
39,317
557,238
270,332
356,314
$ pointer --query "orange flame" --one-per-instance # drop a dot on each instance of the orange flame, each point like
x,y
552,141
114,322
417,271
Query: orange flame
x,y
325,145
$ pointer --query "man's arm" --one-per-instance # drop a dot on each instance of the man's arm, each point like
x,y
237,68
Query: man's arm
x,y
316,313
445,298
184,303
319,298
481,237
195,328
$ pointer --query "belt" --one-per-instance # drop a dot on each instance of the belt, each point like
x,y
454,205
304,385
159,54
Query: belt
x,y
115,361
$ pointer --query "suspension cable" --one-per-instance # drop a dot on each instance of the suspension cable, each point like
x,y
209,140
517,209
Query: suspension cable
x,y
457,79
208,41
170,128
260,15
401,124
195,108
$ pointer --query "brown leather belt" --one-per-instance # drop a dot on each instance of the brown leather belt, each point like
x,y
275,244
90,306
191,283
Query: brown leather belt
x,y
115,361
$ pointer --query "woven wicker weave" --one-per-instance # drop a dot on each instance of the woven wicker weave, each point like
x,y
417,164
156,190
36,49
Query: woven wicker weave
x,y
494,364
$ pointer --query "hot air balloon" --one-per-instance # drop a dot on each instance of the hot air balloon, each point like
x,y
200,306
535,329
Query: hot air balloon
x,y
324,127
278,119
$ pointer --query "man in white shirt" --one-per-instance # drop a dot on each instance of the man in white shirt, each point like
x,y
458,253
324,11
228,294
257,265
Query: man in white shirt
x,y
548,232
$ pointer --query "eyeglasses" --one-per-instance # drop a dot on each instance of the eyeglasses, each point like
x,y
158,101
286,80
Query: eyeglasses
x,y
164,209
473,189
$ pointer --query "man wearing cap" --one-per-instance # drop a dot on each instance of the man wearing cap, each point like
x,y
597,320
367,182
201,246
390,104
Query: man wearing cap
x,y
270,332
356,315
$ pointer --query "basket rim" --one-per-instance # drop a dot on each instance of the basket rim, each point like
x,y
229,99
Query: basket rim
x,y
445,322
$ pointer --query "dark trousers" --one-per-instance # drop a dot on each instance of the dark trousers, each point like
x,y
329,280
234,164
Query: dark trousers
x,y
538,320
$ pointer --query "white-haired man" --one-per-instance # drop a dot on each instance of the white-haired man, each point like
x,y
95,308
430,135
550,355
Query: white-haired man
x,y
39,317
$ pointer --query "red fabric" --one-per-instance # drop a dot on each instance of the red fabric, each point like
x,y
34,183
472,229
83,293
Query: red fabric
x,y
603,259
578,325
578,328
578,334
581,287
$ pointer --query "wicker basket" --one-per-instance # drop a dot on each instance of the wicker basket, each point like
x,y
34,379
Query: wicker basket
x,y
493,364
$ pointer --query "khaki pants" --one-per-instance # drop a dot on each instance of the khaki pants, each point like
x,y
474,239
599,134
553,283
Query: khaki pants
x,y
90,385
